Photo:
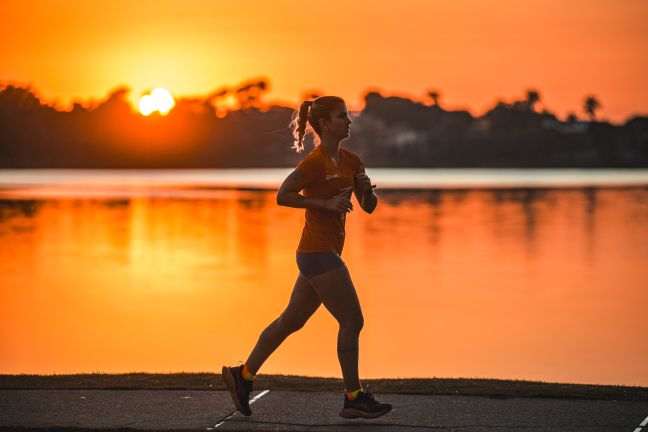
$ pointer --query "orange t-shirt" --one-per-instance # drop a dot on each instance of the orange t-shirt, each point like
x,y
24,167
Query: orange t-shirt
x,y
324,230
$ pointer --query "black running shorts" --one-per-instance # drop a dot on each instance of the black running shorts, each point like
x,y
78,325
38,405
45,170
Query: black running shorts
x,y
313,263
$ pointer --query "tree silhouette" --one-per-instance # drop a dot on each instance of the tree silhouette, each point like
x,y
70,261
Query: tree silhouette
x,y
571,117
19,98
249,95
217,94
435,96
532,98
311,95
590,105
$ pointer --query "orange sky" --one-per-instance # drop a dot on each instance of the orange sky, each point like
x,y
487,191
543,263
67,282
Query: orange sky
x,y
473,51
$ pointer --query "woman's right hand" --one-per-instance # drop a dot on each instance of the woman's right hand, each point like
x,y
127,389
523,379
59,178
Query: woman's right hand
x,y
340,202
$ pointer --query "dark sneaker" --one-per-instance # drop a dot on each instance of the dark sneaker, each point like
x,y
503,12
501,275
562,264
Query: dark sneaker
x,y
364,406
239,388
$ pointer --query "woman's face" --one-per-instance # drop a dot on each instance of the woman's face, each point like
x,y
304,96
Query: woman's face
x,y
339,123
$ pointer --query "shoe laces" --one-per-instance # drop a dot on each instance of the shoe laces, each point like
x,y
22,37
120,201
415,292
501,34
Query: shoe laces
x,y
368,395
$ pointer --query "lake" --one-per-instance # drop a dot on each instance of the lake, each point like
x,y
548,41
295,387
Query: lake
x,y
511,274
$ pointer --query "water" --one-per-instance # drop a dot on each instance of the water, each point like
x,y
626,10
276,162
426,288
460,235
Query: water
x,y
121,271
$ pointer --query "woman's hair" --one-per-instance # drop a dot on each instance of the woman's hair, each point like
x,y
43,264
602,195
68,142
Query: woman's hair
x,y
313,111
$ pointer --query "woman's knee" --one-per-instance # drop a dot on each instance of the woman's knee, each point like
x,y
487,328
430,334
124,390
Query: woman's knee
x,y
353,324
290,325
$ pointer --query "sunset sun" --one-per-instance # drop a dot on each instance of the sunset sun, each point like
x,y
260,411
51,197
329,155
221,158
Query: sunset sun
x,y
159,100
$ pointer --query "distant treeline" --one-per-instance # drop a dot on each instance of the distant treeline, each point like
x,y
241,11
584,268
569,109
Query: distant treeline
x,y
389,132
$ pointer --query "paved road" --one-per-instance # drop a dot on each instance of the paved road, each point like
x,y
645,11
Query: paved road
x,y
297,411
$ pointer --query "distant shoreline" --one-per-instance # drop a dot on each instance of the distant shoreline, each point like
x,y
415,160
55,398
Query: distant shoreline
x,y
389,131
259,179
493,388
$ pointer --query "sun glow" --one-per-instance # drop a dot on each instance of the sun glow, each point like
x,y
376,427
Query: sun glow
x,y
159,100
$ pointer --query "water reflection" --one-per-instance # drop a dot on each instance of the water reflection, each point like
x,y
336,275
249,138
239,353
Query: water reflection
x,y
11,208
526,283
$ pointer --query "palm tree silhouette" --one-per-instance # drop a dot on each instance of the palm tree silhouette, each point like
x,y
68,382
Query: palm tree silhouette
x,y
532,98
435,96
590,105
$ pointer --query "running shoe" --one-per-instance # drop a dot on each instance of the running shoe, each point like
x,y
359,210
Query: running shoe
x,y
239,388
364,406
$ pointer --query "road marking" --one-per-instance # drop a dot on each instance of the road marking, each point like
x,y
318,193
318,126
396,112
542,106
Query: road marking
x,y
643,423
254,399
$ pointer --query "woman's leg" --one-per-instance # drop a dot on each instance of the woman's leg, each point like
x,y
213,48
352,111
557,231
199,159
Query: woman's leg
x,y
339,296
303,303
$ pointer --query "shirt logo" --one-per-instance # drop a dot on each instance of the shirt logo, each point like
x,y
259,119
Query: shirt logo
x,y
331,176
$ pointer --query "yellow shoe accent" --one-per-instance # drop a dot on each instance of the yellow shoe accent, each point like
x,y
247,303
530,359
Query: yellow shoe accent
x,y
246,373
353,394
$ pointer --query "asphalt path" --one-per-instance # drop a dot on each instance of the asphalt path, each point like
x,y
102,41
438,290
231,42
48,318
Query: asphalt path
x,y
307,411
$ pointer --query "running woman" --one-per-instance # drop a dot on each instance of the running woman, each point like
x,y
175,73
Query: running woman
x,y
327,175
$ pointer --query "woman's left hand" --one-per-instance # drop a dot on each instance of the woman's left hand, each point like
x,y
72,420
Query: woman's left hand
x,y
364,182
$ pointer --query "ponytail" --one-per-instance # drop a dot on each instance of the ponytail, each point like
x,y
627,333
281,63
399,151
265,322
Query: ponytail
x,y
298,125
307,119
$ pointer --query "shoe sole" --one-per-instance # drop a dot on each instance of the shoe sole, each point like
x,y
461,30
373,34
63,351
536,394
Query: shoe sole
x,y
352,413
231,386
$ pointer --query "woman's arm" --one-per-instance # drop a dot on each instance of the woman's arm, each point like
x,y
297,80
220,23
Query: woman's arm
x,y
364,193
369,201
288,194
